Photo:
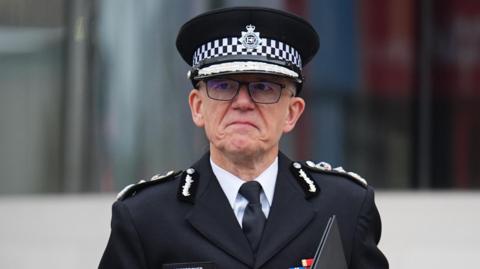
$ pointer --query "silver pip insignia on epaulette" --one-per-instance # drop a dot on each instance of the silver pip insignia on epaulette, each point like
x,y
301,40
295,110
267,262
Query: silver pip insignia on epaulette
x,y
132,188
188,185
326,167
304,179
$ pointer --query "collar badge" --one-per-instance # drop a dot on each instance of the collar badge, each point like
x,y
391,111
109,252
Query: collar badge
x,y
187,187
311,185
250,39
188,182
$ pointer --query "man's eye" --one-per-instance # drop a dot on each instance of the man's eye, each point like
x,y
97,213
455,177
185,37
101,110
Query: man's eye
x,y
223,85
262,86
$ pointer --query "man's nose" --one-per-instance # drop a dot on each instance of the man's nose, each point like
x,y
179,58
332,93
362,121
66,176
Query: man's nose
x,y
243,99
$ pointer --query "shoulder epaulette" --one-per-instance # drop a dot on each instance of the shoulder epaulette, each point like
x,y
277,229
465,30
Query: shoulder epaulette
x,y
324,167
131,189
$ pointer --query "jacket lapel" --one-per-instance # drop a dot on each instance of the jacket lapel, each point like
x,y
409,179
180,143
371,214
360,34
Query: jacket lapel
x,y
289,214
213,217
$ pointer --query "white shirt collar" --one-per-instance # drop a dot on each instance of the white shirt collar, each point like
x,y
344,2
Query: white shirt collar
x,y
230,183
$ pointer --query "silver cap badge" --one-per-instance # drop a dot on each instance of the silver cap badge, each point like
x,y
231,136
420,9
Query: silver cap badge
x,y
250,39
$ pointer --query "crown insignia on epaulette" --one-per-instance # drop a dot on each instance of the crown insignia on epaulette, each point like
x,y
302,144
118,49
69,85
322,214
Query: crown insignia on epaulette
x,y
326,167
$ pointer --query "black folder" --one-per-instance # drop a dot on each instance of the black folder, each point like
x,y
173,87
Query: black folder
x,y
329,254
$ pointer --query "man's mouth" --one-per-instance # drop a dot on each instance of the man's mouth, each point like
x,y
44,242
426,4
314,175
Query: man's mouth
x,y
242,123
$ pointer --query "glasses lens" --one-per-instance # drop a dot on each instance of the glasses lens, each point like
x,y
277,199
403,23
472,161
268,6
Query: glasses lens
x,y
222,89
265,92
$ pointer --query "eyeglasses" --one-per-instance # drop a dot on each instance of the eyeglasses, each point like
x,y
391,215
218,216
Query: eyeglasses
x,y
262,92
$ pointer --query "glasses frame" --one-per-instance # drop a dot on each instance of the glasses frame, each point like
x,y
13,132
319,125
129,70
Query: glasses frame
x,y
247,84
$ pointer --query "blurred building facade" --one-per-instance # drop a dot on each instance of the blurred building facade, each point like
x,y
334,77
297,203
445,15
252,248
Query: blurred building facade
x,y
93,95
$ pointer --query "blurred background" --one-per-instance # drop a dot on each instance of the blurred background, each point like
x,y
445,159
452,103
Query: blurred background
x,y
93,97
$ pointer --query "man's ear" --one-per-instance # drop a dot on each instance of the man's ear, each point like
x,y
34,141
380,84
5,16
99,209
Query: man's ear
x,y
195,100
295,110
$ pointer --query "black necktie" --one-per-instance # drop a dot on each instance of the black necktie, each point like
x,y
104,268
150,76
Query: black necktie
x,y
253,218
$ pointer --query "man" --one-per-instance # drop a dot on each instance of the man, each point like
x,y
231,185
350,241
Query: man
x,y
244,204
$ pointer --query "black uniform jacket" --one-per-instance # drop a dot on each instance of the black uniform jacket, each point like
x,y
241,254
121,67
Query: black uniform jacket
x,y
153,228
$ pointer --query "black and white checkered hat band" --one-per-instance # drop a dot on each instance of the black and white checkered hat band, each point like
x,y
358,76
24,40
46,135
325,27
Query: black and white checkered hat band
x,y
233,46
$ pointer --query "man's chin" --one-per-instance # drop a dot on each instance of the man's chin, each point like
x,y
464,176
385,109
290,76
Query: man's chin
x,y
242,147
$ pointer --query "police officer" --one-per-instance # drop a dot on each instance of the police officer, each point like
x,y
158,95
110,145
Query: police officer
x,y
244,204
